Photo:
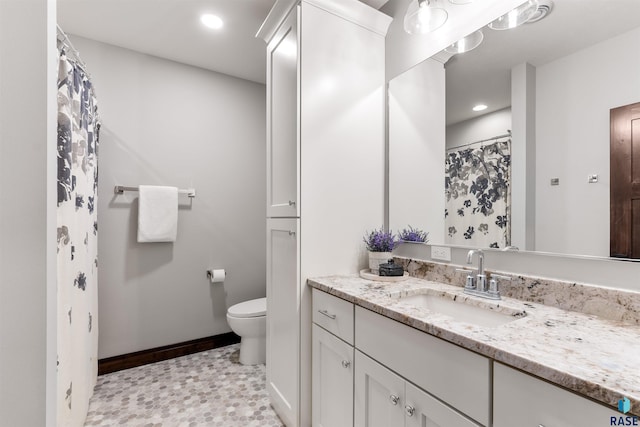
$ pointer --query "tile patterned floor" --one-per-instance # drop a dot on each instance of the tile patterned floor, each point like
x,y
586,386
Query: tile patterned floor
x,y
204,389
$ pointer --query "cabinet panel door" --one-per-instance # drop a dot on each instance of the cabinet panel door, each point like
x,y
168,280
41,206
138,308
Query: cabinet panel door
x,y
332,380
379,395
525,401
283,323
423,410
282,121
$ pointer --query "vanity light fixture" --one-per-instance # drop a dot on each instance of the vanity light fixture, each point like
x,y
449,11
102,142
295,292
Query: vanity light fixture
x,y
467,43
422,17
212,21
516,17
479,107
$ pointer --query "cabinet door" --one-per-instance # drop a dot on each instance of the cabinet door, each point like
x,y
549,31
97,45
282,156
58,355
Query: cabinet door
x,y
332,380
423,410
283,323
282,121
525,401
379,395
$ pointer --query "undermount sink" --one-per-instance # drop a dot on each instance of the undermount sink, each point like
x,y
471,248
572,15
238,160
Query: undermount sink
x,y
486,314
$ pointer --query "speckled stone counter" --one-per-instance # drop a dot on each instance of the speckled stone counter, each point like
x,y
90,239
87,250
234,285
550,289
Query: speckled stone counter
x,y
592,356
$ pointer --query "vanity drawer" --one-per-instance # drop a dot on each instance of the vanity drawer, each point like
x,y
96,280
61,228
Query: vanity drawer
x,y
523,400
333,314
457,376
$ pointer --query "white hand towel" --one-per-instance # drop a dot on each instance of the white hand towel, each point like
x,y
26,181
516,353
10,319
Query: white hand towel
x,y
157,214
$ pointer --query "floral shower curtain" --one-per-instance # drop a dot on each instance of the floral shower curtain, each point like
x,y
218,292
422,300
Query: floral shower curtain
x,y
478,195
77,262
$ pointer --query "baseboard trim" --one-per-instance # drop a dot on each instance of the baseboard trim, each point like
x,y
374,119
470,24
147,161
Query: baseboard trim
x,y
144,357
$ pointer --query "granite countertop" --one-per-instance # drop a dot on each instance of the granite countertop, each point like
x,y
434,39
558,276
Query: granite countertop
x,y
592,356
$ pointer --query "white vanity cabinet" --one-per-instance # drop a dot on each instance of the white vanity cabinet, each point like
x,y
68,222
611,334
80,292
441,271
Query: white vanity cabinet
x,y
454,375
383,398
525,401
371,371
333,363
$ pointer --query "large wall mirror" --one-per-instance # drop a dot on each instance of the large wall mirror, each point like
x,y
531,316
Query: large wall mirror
x,y
532,170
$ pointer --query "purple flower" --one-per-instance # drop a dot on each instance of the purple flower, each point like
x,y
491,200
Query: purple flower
x,y
380,240
413,235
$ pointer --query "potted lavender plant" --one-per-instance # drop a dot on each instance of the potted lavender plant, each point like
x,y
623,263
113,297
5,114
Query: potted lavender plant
x,y
379,243
413,235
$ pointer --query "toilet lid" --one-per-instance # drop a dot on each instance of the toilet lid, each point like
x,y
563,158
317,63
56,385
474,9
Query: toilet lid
x,y
251,308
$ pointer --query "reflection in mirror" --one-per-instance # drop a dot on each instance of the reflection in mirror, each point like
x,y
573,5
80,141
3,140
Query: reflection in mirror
x,y
552,84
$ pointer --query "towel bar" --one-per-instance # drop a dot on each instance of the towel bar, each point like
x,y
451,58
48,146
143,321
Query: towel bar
x,y
120,189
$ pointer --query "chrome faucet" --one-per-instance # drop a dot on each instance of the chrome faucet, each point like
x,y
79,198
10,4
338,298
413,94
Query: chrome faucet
x,y
479,283
480,259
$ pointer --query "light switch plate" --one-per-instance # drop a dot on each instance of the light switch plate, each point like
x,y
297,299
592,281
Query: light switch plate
x,y
555,181
442,253
593,178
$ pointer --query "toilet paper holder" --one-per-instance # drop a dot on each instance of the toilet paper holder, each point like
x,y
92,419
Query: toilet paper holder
x,y
215,278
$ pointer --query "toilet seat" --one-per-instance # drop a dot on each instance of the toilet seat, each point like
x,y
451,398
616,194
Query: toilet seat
x,y
252,308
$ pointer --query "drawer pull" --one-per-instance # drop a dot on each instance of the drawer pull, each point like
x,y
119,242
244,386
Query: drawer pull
x,y
346,364
394,399
326,313
410,410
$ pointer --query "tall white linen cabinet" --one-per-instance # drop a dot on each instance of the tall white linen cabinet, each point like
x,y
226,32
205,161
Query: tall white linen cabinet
x,y
325,170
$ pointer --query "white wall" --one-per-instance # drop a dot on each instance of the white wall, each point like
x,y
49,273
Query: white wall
x,y
479,128
417,149
574,96
166,123
27,213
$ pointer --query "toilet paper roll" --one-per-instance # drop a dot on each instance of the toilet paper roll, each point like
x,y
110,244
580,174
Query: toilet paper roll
x,y
216,276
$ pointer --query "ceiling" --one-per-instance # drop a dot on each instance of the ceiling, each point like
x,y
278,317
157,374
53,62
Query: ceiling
x,y
171,29
483,75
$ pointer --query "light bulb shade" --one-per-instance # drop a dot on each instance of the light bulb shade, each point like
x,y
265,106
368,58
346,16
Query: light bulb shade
x,y
422,18
516,17
467,43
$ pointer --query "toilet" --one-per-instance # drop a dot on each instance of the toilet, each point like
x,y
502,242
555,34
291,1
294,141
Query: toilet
x,y
249,320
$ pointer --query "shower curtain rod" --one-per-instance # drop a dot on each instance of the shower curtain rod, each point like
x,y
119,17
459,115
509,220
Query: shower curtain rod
x,y
64,39
482,140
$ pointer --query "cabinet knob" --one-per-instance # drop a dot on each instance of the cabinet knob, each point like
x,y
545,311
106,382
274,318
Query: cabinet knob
x,y
292,233
346,364
394,399
292,203
410,410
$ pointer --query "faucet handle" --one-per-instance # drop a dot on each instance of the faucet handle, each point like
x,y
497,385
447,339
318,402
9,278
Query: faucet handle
x,y
494,286
471,280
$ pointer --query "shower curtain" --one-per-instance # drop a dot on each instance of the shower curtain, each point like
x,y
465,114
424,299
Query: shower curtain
x,y
478,195
77,262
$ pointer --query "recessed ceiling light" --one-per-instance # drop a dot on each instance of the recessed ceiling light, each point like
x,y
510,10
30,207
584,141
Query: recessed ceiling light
x,y
212,21
479,107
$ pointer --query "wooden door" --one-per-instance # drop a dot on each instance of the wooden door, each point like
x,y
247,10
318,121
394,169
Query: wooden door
x,y
625,182
332,380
